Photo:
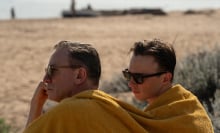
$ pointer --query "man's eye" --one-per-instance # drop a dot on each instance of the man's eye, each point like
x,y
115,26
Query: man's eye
x,y
139,79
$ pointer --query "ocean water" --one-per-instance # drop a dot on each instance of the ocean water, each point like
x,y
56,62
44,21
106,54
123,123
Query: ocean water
x,y
52,8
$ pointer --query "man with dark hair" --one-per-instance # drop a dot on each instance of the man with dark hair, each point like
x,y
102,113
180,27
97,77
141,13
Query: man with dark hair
x,y
171,108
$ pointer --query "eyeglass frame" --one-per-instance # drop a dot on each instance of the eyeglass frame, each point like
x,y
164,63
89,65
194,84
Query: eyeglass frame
x,y
49,70
139,77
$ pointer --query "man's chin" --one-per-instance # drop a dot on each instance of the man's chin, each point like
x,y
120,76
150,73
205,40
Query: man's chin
x,y
139,98
53,99
48,105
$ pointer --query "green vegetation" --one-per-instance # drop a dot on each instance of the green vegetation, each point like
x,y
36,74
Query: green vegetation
x,y
4,128
200,74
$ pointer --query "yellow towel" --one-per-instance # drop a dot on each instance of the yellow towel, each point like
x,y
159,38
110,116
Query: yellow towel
x,y
177,110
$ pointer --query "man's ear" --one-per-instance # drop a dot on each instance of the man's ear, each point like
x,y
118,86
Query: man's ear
x,y
167,77
81,75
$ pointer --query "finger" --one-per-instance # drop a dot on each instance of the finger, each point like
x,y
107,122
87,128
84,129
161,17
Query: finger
x,y
42,85
45,85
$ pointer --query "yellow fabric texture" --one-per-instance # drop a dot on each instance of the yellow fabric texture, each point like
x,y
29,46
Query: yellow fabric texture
x,y
177,110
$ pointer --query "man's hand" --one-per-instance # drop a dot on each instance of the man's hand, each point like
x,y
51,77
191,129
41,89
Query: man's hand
x,y
37,102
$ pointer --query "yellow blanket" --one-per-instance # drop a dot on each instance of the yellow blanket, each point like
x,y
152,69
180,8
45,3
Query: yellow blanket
x,y
177,110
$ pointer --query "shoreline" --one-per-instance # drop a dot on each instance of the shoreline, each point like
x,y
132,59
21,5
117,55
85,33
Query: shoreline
x,y
193,12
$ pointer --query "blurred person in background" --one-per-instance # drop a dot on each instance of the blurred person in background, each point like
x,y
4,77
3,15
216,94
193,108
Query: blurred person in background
x,y
12,11
73,7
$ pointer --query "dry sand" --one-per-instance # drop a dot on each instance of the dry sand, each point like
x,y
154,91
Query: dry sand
x,y
25,46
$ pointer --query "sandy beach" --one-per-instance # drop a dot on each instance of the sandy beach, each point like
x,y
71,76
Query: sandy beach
x,y
25,47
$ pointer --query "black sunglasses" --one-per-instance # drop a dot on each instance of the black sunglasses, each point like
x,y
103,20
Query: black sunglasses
x,y
139,77
51,68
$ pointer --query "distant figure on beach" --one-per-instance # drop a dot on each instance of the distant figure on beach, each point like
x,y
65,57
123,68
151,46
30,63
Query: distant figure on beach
x,y
89,7
12,13
73,6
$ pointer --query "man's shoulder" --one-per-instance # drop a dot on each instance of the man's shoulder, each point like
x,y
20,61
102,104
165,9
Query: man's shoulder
x,y
93,100
181,91
72,104
177,94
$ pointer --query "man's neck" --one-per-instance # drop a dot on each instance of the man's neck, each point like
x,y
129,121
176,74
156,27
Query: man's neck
x,y
162,91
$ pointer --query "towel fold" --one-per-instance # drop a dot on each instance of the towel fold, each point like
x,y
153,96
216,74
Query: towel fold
x,y
94,111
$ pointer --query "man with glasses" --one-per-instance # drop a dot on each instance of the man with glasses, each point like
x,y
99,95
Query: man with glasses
x,y
73,68
71,79
171,108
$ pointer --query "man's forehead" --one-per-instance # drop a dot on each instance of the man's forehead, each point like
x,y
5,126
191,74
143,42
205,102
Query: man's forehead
x,y
143,63
59,56
60,52
143,59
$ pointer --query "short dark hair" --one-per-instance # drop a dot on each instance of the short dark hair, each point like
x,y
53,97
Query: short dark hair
x,y
163,53
85,55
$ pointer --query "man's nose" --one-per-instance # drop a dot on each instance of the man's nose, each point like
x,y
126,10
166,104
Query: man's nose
x,y
47,78
131,83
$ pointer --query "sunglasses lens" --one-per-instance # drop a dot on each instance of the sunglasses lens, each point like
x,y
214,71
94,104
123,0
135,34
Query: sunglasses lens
x,y
126,75
49,71
138,79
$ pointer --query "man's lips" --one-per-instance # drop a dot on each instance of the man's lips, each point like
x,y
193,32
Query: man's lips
x,y
49,89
